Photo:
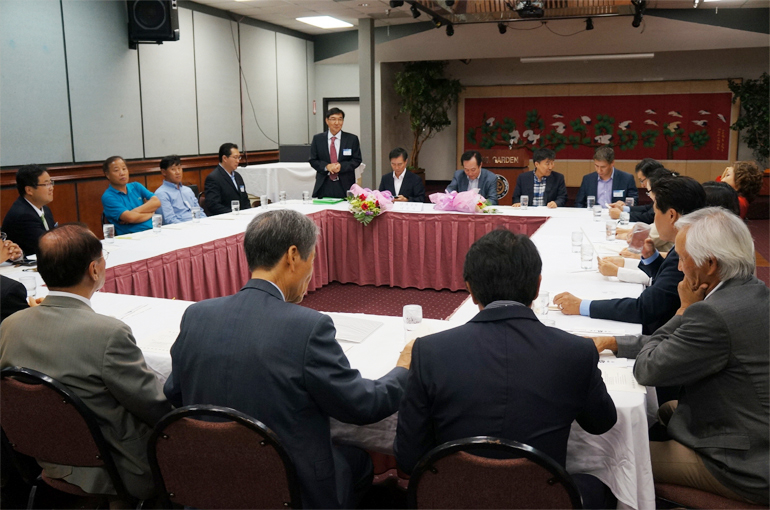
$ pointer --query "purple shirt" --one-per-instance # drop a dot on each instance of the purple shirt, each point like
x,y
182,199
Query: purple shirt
x,y
604,190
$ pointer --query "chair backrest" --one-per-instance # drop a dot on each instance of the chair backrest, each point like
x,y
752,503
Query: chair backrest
x,y
497,474
196,192
42,418
233,462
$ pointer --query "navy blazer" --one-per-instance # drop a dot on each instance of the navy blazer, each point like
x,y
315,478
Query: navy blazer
x,y
411,188
487,184
502,374
655,305
280,363
319,158
24,226
13,297
219,192
555,189
621,181
644,213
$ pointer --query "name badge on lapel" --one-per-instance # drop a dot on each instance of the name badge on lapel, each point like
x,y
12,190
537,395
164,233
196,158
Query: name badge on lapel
x,y
618,193
347,152
243,188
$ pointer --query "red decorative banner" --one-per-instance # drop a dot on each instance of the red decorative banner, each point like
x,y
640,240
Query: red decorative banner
x,y
659,126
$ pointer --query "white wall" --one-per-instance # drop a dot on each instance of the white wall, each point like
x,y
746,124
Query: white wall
x,y
180,97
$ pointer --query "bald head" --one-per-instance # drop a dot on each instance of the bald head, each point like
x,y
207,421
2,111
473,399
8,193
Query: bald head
x,y
65,255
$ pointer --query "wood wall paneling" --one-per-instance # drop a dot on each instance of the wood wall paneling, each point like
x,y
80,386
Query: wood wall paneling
x,y
89,204
64,196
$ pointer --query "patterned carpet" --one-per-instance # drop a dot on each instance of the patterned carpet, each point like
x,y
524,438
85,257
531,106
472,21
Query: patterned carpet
x,y
352,298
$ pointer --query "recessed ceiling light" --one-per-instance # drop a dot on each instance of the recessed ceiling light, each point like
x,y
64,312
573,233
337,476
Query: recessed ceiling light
x,y
363,5
325,22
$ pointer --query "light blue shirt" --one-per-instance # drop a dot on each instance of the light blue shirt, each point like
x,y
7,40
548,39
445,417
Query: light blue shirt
x,y
604,190
176,203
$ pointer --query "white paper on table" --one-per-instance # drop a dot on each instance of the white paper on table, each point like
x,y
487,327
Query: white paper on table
x,y
160,340
407,207
617,362
353,329
346,346
123,312
596,332
137,236
620,379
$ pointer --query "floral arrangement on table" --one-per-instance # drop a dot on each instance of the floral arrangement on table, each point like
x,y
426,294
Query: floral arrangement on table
x,y
465,201
366,204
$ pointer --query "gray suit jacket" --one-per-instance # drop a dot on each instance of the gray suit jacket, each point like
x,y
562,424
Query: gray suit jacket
x,y
281,364
487,184
718,352
97,358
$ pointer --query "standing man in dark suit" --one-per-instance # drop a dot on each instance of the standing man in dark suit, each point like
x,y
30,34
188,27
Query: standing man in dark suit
x,y
607,184
543,186
504,373
260,353
716,348
224,184
473,176
674,197
335,156
29,216
404,185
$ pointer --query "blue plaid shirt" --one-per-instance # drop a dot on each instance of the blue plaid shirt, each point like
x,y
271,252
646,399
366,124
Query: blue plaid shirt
x,y
539,193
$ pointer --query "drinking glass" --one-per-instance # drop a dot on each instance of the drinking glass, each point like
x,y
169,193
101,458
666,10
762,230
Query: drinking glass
x,y
109,233
282,197
157,222
542,303
624,218
235,206
264,201
30,282
577,240
597,212
630,201
306,198
611,229
412,317
591,201
524,201
586,256
196,214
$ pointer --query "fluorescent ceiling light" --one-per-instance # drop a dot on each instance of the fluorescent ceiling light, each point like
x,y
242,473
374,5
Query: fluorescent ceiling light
x,y
325,22
581,58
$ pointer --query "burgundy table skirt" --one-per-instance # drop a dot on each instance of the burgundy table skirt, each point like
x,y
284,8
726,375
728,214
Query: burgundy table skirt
x,y
424,251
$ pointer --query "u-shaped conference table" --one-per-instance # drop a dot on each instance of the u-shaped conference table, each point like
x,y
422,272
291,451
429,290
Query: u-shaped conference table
x,y
153,277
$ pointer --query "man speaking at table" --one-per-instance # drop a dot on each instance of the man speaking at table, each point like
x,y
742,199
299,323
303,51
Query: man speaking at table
x,y
260,353
504,373
473,176
335,156
224,185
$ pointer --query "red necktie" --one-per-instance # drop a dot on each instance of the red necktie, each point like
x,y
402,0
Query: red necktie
x,y
333,157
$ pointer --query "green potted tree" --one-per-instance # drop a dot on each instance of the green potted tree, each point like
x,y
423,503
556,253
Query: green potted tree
x,y
426,96
754,119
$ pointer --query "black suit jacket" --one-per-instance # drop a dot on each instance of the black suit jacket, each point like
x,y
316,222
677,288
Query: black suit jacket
x,y
319,158
644,213
220,192
555,189
621,181
281,364
502,374
23,225
13,297
411,188
655,305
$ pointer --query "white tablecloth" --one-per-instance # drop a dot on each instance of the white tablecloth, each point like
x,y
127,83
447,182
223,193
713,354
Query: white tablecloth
x,y
620,457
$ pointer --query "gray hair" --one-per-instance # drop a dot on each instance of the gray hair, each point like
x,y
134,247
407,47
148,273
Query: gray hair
x,y
716,232
604,153
270,235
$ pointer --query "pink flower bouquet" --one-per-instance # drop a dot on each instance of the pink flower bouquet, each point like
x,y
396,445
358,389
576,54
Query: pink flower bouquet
x,y
466,201
366,204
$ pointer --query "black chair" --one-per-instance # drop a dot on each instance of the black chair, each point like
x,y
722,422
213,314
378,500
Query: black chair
x,y
43,419
489,472
195,191
216,457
